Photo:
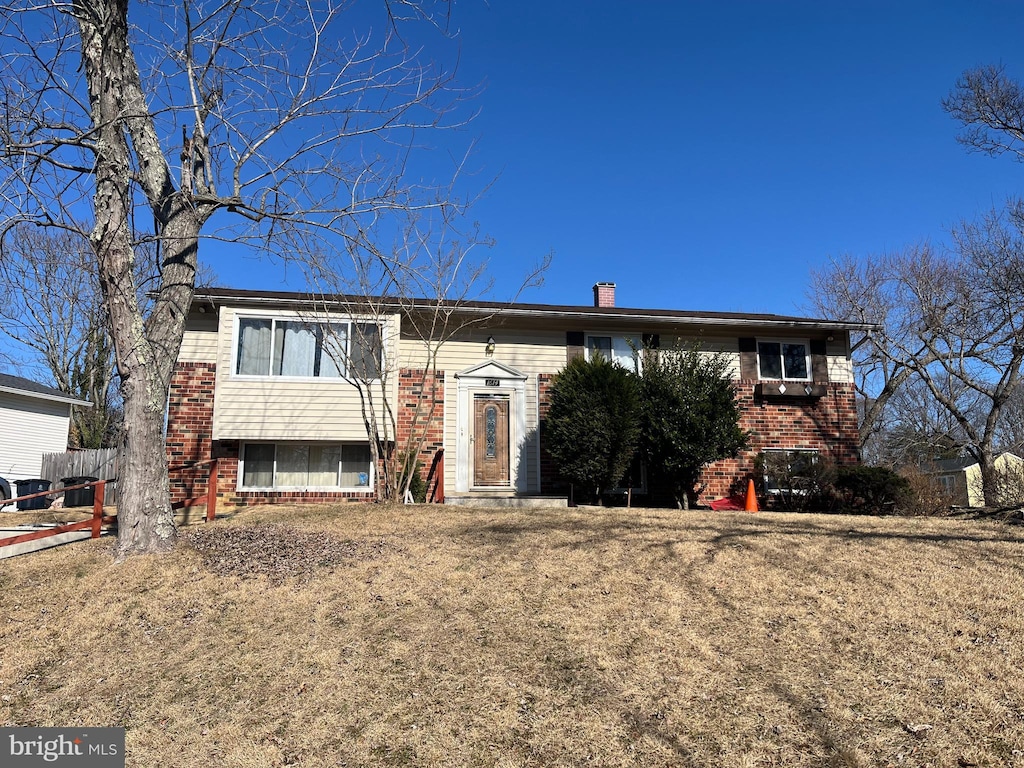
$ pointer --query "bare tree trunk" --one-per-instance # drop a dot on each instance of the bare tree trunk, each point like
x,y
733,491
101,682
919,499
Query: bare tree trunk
x,y
145,349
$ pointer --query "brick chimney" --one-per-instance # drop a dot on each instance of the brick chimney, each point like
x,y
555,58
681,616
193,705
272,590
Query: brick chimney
x,y
604,294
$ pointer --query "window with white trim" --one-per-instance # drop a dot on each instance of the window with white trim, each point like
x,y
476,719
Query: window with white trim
x,y
333,466
784,359
272,346
624,350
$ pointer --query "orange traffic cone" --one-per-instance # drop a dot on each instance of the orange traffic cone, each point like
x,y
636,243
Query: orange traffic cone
x,y
751,505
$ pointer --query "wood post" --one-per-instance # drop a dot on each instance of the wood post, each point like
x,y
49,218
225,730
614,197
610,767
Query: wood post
x,y
211,492
97,508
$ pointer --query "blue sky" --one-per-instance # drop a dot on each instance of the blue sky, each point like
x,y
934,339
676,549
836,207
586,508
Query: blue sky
x,y
709,155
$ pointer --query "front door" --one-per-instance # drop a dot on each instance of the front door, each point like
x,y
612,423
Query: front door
x,y
490,441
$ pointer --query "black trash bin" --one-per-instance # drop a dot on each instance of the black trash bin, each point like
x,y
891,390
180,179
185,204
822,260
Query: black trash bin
x,y
79,497
36,485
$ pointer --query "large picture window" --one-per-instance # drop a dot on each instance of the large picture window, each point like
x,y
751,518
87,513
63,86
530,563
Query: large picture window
x,y
783,360
276,347
306,465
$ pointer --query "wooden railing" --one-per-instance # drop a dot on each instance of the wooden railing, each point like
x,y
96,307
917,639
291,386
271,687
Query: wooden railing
x,y
436,474
94,524
210,499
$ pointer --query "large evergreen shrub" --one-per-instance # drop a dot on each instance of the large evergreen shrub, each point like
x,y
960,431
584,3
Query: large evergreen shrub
x,y
593,424
690,416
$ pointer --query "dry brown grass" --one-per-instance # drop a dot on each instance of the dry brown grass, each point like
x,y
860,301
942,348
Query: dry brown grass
x,y
430,636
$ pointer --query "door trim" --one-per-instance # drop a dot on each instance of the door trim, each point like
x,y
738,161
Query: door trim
x,y
480,379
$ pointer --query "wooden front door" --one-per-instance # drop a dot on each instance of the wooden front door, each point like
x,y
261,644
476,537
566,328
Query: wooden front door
x,y
490,441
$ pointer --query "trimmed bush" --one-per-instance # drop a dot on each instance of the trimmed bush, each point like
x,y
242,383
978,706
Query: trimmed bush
x,y
872,490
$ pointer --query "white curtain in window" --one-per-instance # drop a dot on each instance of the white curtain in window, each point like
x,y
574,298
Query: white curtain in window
x,y
294,349
292,466
323,465
258,469
254,347
334,350
624,351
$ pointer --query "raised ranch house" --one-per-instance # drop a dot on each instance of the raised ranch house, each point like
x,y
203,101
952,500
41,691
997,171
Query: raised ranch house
x,y
264,383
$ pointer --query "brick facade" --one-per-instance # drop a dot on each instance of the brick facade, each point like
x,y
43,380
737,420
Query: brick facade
x,y
421,412
827,424
549,480
190,428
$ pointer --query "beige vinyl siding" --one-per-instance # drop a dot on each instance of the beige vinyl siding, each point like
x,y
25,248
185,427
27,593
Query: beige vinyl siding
x,y
281,409
30,427
526,351
840,368
198,347
199,344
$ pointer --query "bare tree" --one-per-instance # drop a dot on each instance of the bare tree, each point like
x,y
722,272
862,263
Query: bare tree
x,y
1010,436
425,272
990,106
51,307
918,429
950,320
274,112
868,292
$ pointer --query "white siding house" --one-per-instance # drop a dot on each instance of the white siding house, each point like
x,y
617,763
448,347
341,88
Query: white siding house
x,y
34,419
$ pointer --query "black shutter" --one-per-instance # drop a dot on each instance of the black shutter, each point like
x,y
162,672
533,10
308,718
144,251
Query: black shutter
x,y
819,360
573,345
748,358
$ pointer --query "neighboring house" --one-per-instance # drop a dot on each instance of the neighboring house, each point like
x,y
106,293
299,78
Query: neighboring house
x,y
34,419
256,387
960,478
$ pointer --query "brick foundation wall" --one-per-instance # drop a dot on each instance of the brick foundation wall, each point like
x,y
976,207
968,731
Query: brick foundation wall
x,y
227,453
421,412
827,424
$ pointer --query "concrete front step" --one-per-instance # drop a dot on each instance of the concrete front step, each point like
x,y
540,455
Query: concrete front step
x,y
504,499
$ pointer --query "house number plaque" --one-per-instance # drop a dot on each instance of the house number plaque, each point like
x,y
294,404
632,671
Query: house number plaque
x,y
492,382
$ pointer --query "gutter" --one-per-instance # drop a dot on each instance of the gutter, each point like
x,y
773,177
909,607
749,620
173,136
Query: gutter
x,y
537,311
44,396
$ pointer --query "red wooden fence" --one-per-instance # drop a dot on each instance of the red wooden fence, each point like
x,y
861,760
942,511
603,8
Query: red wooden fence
x,y
93,524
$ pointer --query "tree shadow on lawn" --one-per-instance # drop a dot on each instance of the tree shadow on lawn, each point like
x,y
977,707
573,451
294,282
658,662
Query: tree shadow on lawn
x,y
584,531
761,532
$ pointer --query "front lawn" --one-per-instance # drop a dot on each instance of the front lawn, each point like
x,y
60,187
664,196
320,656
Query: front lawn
x,y
362,635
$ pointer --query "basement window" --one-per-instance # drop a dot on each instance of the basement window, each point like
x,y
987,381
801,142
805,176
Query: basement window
x,y
789,471
323,466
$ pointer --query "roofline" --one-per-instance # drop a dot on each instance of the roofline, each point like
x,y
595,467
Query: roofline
x,y
46,396
675,317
